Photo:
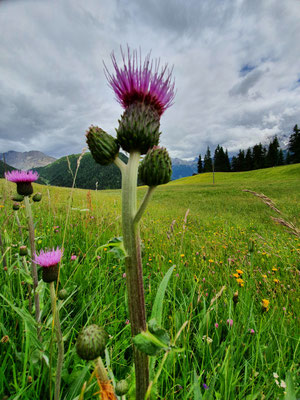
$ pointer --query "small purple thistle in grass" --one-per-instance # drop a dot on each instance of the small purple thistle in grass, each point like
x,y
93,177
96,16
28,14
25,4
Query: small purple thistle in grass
x,y
23,179
73,257
49,261
216,325
230,322
252,331
141,82
205,386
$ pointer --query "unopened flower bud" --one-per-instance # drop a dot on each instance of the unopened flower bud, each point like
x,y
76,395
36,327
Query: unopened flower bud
x,y
50,274
122,387
156,167
37,197
62,294
139,128
18,197
104,147
23,251
91,342
235,297
16,206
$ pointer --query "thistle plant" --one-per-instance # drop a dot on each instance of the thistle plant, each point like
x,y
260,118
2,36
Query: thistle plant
x,y
49,261
144,91
23,180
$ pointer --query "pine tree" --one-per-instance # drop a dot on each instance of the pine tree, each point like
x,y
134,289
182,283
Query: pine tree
x,y
288,158
241,161
234,164
200,169
248,160
207,161
294,145
227,162
258,156
280,158
273,153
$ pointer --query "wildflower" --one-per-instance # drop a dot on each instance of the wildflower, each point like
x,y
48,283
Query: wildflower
x,y
216,325
264,276
230,322
145,93
23,179
181,255
275,375
265,304
240,281
49,260
205,386
124,275
236,275
239,271
282,384
252,331
141,83
73,257
210,261
276,280
203,280
274,269
207,339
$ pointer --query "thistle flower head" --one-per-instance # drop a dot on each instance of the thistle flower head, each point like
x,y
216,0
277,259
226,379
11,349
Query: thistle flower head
x,y
141,82
21,176
48,258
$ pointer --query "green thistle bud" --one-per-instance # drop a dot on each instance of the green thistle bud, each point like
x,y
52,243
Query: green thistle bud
x,y
104,147
23,251
139,128
18,197
156,167
122,387
37,197
62,294
50,274
91,342
16,206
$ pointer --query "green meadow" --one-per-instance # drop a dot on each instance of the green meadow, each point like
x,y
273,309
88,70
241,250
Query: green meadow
x,y
229,258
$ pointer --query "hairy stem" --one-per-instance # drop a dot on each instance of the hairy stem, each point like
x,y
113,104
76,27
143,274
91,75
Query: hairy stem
x,y
33,265
134,272
60,343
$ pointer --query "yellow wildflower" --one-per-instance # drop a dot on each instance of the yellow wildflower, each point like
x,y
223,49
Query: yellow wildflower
x,y
236,275
181,255
210,260
265,304
276,280
240,281
264,276
274,269
239,271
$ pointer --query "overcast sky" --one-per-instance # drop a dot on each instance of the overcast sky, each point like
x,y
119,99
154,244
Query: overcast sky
x,y
236,68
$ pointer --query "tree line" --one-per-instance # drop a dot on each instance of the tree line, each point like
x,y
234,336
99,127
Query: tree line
x,y
257,157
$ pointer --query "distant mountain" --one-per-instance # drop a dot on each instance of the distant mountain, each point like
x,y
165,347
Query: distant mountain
x,y
90,174
27,159
4,168
182,168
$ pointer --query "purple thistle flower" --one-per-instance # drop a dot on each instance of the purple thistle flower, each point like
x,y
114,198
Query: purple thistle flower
x,y
21,176
205,386
48,258
141,82
230,322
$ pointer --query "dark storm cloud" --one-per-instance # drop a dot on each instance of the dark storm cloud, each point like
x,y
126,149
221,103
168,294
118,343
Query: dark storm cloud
x,y
235,64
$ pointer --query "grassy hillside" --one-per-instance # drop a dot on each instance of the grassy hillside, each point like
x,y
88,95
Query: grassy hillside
x,y
3,168
207,232
59,173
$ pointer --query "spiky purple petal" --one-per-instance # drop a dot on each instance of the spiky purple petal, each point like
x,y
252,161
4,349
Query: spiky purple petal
x,y
141,82
21,176
48,258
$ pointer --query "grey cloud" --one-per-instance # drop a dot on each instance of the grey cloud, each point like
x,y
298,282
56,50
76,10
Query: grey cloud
x,y
242,88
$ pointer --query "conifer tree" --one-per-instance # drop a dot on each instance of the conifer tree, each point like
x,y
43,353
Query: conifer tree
x,y
248,160
207,161
280,158
294,145
273,153
200,169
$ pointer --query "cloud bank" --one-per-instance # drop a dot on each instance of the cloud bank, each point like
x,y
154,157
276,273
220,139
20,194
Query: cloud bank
x,y
236,66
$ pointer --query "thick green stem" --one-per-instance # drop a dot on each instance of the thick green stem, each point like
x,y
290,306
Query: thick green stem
x,y
134,272
101,371
33,265
60,343
144,204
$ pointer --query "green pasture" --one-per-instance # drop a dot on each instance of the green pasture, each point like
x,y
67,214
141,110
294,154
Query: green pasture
x,y
207,232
